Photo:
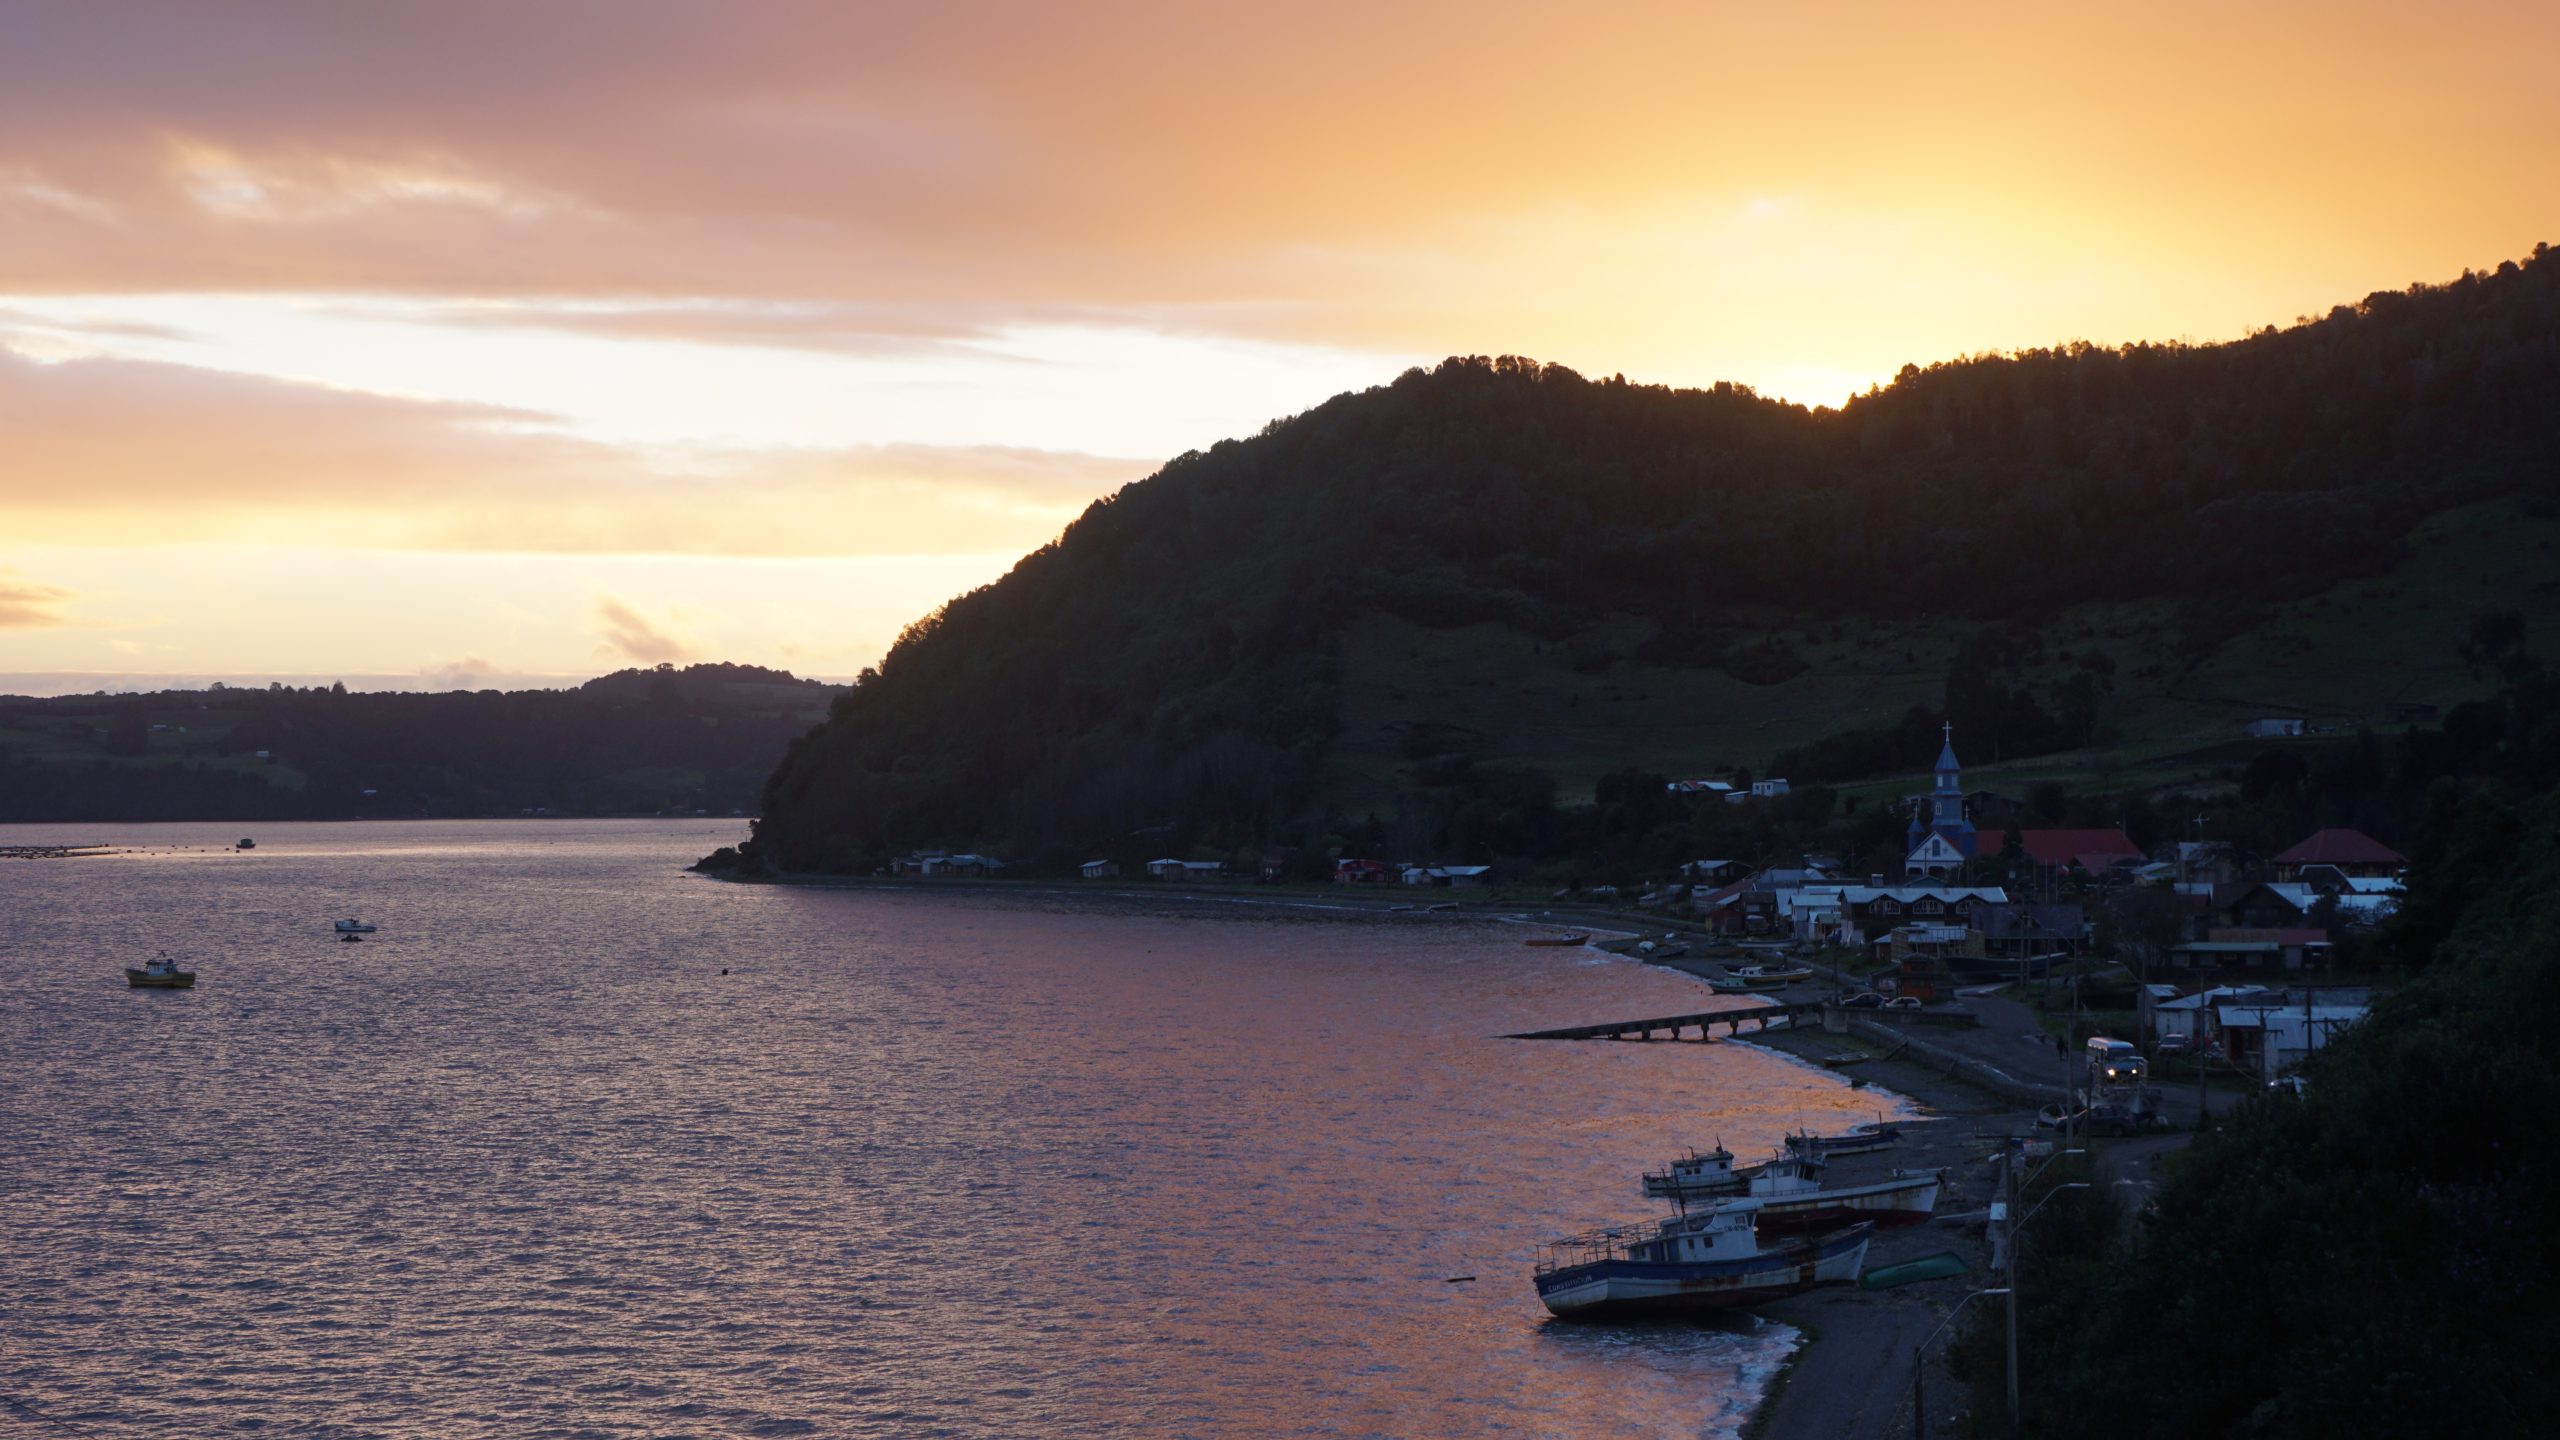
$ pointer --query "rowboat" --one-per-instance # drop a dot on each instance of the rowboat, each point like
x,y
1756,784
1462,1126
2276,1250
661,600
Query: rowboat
x,y
1688,1264
160,972
1557,940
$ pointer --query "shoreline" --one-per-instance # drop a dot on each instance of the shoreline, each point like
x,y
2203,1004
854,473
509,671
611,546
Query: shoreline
x,y
1849,1374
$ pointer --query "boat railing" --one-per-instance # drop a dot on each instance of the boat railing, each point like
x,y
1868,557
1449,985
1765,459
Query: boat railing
x,y
1609,1242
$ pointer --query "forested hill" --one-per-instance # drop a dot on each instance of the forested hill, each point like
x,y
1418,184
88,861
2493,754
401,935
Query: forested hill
x,y
636,742
1251,646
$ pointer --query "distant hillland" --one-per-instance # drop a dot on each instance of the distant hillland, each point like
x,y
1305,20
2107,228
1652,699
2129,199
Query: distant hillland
x,y
1435,616
700,739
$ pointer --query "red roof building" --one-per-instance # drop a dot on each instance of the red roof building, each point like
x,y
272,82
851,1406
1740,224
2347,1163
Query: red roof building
x,y
2090,850
2352,852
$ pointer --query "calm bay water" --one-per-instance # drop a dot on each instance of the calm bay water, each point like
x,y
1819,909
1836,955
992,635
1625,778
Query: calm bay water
x,y
526,1163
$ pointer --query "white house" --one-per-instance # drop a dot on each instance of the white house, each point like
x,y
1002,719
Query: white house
x,y
1100,869
2267,1039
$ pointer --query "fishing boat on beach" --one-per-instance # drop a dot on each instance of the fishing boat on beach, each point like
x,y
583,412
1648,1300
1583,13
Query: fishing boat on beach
x,y
160,972
1557,940
1689,1264
1697,1176
1760,977
1794,1198
1856,1142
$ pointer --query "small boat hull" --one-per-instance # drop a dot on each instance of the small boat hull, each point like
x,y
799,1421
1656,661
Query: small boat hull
x,y
1637,1289
141,980
1557,940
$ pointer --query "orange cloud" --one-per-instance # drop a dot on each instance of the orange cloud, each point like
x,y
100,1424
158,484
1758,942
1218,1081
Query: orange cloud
x,y
25,605
1411,175
629,635
145,453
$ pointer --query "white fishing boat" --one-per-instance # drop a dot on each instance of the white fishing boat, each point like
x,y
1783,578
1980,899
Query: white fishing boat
x,y
1794,1197
1863,1138
1699,1176
354,927
1761,977
1709,1260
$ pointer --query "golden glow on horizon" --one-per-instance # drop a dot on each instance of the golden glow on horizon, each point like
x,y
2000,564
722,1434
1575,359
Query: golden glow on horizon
x,y
835,282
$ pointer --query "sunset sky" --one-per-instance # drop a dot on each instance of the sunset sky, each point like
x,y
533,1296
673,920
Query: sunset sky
x,y
485,343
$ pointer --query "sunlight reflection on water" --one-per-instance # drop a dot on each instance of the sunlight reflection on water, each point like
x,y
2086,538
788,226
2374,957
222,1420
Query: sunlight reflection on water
x,y
527,1163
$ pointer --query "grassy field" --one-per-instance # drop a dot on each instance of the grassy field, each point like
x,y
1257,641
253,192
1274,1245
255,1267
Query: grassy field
x,y
1578,709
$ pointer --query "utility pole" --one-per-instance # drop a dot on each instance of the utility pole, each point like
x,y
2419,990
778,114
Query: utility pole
x,y
2009,1251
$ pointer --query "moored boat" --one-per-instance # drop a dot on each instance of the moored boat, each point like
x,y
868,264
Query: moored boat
x,y
1689,1264
160,972
1557,940
354,927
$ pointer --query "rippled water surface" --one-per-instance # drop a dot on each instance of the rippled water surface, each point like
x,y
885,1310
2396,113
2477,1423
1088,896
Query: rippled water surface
x,y
527,1163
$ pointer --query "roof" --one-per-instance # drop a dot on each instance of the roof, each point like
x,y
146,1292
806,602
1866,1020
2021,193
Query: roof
x,y
2341,847
1905,894
2090,849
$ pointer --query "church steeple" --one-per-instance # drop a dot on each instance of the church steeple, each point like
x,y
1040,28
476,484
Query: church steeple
x,y
1946,804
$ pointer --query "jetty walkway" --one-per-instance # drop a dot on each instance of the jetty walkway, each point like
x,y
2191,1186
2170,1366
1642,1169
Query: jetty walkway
x,y
1671,1027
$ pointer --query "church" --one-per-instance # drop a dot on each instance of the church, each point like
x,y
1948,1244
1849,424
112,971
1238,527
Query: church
x,y
1941,839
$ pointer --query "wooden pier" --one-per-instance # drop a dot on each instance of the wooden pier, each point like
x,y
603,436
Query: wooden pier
x,y
1672,1027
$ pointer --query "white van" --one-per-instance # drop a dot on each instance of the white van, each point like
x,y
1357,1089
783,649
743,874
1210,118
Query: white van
x,y
2114,1062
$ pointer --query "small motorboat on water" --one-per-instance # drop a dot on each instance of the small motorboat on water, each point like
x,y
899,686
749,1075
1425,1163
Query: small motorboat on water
x,y
1689,1264
354,927
247,844
160,972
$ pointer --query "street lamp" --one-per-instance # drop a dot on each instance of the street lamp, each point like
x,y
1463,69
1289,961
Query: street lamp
x,y
1919,1363
2011,1224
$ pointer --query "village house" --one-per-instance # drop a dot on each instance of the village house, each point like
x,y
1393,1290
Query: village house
x,y
2273,728
960,865
1699,787
1347,871
2023,929
1100,869
1714,872
2350,853
2266,1037
2089,852
2245,948
1186,869
1447,875
1858,914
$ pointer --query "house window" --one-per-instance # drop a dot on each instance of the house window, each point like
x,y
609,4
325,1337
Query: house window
x,y
1888,907
1927,907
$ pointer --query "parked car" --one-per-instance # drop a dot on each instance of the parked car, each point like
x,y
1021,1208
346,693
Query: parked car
x,y
1864,1000
2172,1045
1903,1002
